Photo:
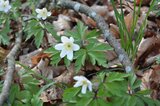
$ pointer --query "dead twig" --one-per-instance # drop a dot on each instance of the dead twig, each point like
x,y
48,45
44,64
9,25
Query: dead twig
x,y
151,61
78,7
10,69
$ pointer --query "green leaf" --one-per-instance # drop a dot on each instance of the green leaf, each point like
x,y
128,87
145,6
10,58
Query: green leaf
x,y
67,62
28,79
98,47
34,31
99,57
4,39
148,101
134,82
101,76
81,29
80,59
13,92
84,101
102,92
102,102
32,88
143,92
116,88
140,102
35,28
39,38
17,103
91,34
51,50
32,23
70,94
115,76
24,96
55,59
94,103
55,56
132,100
36,101
73,34
50,28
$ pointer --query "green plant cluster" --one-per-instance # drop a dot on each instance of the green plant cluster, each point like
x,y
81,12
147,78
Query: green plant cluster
x,y
156,8
27,91
91,50
131,37
110,89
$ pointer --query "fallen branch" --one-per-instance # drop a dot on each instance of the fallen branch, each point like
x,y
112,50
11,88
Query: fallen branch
x,y
123,57
151,61
10,69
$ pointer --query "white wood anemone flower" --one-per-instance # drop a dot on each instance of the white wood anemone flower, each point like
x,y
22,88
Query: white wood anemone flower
x,y
43,13
67,47
5,6
84,82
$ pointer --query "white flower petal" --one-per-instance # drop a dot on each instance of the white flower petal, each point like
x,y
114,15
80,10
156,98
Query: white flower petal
x,y
7,2
84,88
9,7
59,46
78,77
71,39
6,10
70,55
84,82
38,10
48,13
38,16
64,39
77,84
1,9
44,9
44,17
90,86
75,47
63,53
4,6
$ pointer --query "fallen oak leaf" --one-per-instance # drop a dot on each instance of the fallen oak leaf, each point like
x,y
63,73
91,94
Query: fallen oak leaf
x,y
35,59
144,2
46,71
26,59
148,47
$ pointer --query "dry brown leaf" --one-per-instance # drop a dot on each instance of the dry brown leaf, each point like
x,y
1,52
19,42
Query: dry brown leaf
x,y
101,10
128,21
146,79
144,2
151,80
88,21
155,82
35,59
114,30
62,23
67,76
149,47
3,54
46,71
26,59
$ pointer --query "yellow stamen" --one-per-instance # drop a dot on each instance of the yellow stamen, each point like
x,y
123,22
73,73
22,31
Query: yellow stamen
x,y
68,46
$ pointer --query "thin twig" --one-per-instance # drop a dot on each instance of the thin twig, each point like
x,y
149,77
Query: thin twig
x,y
10,69
123,57
151,61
